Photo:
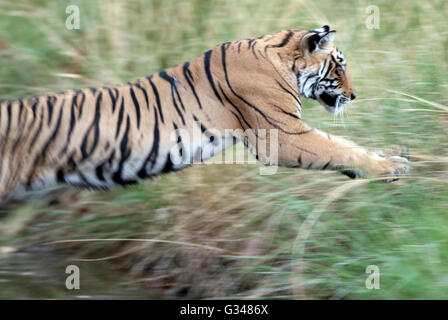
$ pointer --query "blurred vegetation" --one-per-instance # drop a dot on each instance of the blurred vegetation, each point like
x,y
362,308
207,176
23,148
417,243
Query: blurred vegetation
x,y
225,231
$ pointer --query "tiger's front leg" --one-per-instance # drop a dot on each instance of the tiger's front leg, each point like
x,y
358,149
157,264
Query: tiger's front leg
x,y
309,148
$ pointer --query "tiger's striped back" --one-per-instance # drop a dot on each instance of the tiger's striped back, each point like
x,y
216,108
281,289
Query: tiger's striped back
x,y
103,137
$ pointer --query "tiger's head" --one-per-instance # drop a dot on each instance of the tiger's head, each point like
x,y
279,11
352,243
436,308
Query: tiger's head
x,y
321,70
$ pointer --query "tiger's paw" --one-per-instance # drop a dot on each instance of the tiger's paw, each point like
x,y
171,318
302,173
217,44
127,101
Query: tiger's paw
x,y
388,164
389,167
394,167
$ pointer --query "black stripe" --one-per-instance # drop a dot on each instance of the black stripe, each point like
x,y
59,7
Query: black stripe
x,y
80,105
113,93
239,120
33,108
207,57
36,134
179,139
201,125
292,115
236,108
205,131
71,126
324,65
289,92
168,165
284,41
125,154
152,155
96,130
60,175
334,60
253,52
136,105
172,83
20,112
249,43
330,66
189,77
156,93
144,94
178,97
50,104
99,171
120,118
111,158
8,126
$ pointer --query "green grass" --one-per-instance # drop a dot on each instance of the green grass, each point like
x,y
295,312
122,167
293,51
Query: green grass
x,y
252,225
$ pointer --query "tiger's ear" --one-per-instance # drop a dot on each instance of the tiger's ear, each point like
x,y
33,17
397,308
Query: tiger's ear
x,y
321,38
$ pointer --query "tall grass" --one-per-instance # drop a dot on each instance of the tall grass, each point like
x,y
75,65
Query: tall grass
x,y
226,231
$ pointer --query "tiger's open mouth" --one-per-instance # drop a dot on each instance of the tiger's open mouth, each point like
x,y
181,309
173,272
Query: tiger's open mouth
x,y
333,103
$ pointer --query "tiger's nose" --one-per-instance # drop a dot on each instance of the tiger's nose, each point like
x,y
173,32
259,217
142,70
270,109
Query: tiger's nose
x,y
353,96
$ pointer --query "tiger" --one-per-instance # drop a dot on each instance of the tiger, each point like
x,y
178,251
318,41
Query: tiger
x,y
119,135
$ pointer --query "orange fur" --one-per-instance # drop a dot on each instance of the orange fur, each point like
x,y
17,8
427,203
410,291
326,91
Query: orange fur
x,y
119,135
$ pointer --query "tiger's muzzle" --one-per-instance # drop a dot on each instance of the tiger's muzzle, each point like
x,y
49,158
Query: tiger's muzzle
x,y
333,103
